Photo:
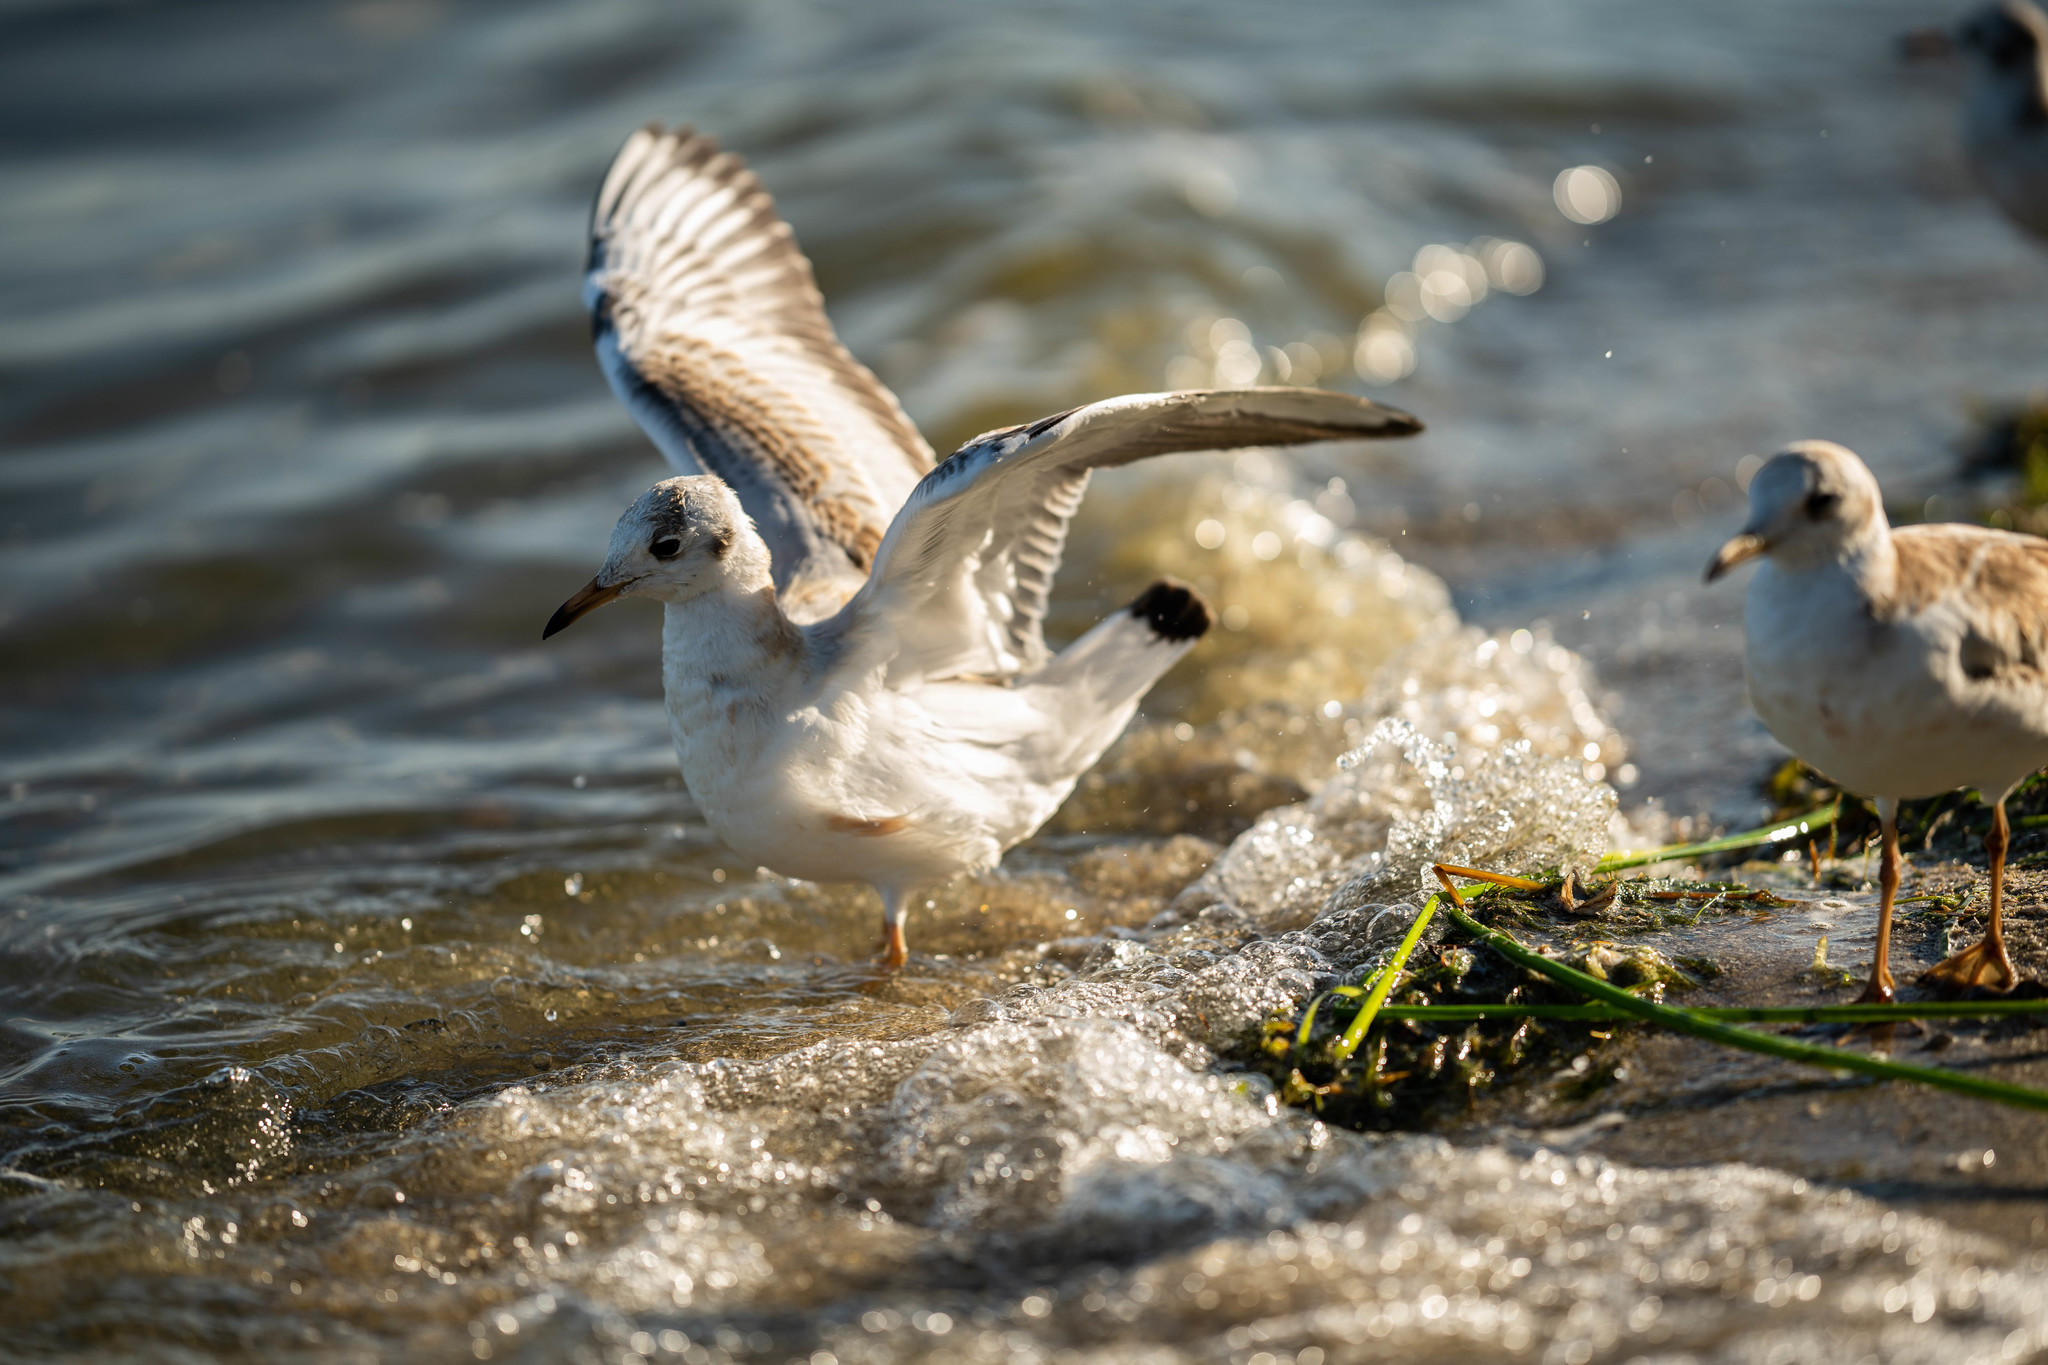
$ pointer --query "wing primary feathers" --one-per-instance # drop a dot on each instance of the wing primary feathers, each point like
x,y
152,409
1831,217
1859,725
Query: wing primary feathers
x,y
961,582
709,325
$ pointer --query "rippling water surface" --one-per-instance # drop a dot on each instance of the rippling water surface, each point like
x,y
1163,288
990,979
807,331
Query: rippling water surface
x,y
369,987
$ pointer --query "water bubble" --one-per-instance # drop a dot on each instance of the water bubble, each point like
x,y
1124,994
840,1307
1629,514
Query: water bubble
x,y
1237,364
1223,331
1403,296
572,884
1450,282
1513,267
1384,353
1445,296
1587,194
1306,360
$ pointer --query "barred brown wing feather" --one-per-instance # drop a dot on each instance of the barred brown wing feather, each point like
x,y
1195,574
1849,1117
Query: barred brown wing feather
x,y
710,327
1996,581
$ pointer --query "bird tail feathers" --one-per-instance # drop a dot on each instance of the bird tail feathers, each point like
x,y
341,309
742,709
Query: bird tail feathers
x,y
1114,665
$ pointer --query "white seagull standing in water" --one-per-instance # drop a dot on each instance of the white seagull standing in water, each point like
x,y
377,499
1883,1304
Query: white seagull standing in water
x,y
1900,663
856,677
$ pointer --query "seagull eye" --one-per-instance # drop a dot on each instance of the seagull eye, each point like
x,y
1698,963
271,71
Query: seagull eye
x,y
668,547
1820,505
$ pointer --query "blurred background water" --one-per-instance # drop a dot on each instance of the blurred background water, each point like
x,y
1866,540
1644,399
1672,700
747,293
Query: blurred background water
x,y
313,856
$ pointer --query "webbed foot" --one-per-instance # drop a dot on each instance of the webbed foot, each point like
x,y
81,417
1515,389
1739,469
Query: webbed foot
x,y
1982,965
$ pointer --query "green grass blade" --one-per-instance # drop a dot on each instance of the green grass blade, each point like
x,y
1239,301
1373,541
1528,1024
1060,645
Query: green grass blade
x,y
1762,1014
1808,823
1308,1016
1459,1014
1687,1021
1353,1036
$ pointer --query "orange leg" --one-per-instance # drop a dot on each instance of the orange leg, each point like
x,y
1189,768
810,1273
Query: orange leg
x,y
894,950
1973,965
1879,991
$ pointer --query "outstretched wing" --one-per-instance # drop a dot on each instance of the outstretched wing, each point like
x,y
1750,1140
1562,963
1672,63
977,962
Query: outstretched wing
x,y
711,329
960,583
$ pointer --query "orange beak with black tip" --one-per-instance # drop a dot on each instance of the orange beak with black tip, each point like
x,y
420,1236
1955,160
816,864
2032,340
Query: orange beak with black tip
x,y
588,599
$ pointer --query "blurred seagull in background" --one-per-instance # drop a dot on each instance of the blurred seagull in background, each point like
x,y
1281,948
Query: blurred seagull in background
x,y
857,680
1900,663
2005,116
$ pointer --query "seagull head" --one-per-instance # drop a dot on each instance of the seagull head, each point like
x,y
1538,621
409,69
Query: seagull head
x,y
2003,44
1811,504
677,541
2005,38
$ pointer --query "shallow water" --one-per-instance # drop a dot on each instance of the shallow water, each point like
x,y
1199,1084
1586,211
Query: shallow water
x,y
369,986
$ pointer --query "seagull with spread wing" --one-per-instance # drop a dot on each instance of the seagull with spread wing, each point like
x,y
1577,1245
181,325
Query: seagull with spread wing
x,y
856,675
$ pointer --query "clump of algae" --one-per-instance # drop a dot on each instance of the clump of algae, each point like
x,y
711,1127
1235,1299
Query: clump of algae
x,y
1419,1072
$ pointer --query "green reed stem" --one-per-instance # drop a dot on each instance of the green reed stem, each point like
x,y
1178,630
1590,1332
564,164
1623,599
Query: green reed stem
x,y
1766,1014
1383,982
1308,1016
1808,823
1700,1026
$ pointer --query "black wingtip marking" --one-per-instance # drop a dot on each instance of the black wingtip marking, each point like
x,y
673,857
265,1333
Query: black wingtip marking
x,y
1045,424
1173,610
1403,423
